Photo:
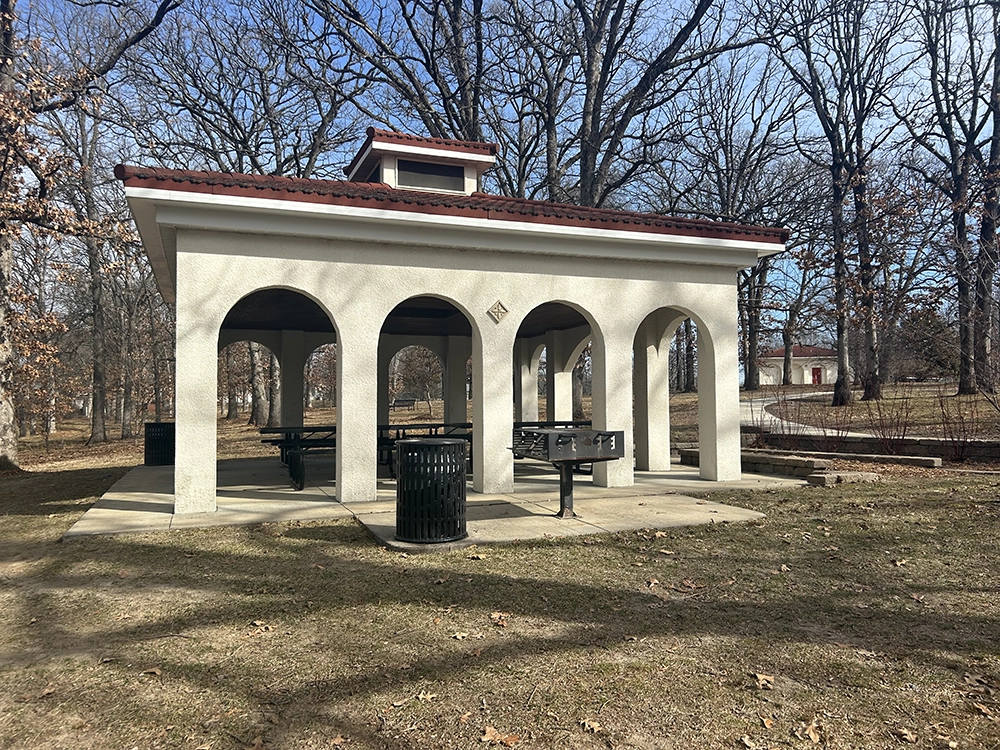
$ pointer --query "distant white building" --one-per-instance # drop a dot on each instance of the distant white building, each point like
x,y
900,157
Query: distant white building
x,y
811,365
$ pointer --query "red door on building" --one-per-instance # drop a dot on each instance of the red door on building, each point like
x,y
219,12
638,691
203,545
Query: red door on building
x,y
817,376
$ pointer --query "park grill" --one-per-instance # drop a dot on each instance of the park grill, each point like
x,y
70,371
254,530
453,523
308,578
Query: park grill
x,y
566,449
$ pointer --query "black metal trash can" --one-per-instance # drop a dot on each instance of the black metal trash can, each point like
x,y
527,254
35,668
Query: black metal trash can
x,y
430,490
159,449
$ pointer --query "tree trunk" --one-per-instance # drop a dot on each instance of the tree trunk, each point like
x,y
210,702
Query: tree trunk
x,y
872,377
578,390
128,408
274,393
8,421
966,334
986,268
756,280
677,370
258,391
690,381
786,361
155,362
842,395
232,405
98,429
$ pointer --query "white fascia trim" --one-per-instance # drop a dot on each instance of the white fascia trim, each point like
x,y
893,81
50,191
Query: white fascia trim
x,y
358,164
431,153
698,248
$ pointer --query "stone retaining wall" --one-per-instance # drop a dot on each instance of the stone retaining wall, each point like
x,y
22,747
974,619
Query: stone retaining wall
x,y
951,450
765,463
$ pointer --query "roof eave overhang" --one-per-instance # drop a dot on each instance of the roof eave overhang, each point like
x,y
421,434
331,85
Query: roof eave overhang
x,y
158,213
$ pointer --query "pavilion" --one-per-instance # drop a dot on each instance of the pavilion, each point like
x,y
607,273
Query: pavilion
x,y
407,251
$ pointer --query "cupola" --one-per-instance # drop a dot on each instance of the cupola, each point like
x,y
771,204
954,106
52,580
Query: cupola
x,y
410,162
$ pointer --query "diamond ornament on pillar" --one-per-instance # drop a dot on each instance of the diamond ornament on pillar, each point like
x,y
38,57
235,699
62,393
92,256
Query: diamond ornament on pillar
x,y
498,311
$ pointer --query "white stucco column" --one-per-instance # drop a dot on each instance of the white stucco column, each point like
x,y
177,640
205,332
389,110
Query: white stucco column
x,y
612,402
719,400
492,409
386,351
562,350
292,360
457,351
357,385
652,399
652,390
526,380
196,389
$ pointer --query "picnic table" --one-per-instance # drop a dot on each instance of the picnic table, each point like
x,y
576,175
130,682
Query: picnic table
x,y
294,443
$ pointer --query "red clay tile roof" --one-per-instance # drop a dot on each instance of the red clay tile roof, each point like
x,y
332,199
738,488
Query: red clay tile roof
x,y
802,351
475,206
472,147
445,144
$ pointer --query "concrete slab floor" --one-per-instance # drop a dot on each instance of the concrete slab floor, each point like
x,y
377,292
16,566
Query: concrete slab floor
x,y
252,491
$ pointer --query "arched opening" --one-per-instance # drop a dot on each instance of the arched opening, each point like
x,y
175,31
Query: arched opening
x,y
665,376
553,365
424,373
430,341
274,345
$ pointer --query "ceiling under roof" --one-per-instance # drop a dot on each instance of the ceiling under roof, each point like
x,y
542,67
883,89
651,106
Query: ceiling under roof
x,y
286,310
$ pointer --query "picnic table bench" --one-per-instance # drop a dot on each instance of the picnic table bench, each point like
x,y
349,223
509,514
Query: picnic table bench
x,y
403,403
295,442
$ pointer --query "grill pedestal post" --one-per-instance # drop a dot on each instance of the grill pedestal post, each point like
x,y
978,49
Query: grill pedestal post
x,y
565,490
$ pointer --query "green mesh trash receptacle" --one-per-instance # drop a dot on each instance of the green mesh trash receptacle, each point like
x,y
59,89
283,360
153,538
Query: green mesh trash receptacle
x,y
430,490
159,444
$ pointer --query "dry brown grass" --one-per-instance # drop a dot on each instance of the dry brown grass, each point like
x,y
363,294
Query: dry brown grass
x,y
927,410
863,616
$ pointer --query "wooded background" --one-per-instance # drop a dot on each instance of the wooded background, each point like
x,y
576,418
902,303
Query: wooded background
x,y
870,128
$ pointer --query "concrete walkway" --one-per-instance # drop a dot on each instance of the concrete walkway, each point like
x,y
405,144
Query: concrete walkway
x,y
253,491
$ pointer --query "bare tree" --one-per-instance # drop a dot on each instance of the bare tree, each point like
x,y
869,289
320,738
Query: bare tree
x,y
427,60
738,162
957,127
31,84
844,56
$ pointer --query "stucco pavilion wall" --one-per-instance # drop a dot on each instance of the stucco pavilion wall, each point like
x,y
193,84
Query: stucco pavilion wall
x,y
358,285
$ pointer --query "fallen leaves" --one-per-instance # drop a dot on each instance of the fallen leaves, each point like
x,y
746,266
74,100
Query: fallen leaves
x,y
590,725
260,627
491,735
499,619
814,731
765,681
985,711
907,735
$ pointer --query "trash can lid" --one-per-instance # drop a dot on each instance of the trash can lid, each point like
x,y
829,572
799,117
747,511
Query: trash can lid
x,y
431,441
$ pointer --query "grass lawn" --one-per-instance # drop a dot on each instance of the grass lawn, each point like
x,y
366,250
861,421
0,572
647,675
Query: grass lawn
x,y
852,617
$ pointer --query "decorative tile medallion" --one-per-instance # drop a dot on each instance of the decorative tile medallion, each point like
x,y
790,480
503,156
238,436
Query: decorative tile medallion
x,y
498,311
